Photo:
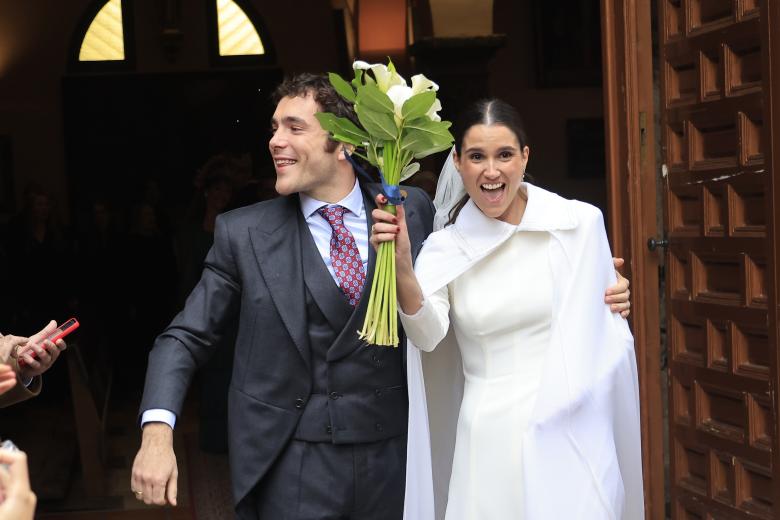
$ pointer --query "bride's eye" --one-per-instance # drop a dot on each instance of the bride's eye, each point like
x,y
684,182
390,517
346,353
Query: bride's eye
x,y
505,155
475,156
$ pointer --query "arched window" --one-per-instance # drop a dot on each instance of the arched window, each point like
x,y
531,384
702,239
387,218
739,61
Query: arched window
x,y
236,32
104,39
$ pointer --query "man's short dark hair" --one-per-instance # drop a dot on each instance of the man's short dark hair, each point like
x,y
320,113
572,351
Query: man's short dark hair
x,y
323,93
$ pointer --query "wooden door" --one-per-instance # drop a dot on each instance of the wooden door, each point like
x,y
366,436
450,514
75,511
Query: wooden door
x,y
719,266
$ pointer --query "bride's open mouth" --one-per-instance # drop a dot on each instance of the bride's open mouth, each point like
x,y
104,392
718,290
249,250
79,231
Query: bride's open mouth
x,y
493,191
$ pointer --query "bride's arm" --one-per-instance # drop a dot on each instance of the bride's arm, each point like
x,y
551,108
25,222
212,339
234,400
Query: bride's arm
x,y
425,320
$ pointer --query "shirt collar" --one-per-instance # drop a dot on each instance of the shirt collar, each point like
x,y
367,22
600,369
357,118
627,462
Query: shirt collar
x,y
353,202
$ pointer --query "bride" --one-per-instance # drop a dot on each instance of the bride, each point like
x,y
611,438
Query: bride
x,y
532,396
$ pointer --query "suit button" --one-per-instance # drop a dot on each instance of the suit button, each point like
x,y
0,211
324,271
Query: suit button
x,y
329,429
378,392
335,395
379,427
299,403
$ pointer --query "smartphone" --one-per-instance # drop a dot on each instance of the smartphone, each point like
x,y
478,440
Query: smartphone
x,y
58,333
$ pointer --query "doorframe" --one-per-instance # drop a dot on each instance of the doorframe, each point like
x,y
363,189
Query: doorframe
x,y
627,57
770,37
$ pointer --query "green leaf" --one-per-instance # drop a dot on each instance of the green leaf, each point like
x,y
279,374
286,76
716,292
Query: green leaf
x,y
357,81
377,124
341,125
342,87
374,99
431,151
417,105
409,170
435,131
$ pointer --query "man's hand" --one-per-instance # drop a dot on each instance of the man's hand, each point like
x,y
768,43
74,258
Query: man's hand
x,y
618,295
7,378
155,474
46,353
16,497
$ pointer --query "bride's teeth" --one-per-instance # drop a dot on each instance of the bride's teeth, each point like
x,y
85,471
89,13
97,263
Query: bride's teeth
x,y
493,186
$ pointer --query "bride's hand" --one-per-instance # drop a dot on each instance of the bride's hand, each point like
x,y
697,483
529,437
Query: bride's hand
x,y
388,227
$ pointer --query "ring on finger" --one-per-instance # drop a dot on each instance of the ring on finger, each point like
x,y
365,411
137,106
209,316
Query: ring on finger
x,y
138,494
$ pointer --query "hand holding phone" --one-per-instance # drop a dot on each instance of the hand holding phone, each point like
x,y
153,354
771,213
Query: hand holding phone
x,y
57,334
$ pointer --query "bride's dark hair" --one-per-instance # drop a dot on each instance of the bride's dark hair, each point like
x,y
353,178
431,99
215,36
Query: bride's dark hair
x,y
487,112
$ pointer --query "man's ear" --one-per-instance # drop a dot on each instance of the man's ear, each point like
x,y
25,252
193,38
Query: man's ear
x,y
345,148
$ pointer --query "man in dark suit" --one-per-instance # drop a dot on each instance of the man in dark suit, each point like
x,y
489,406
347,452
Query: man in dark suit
x,y
317,418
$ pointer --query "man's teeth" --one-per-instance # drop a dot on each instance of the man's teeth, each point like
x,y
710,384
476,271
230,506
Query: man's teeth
x,y
284,162
494,186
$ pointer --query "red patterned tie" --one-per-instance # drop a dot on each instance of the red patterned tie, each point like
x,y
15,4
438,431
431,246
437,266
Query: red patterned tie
x,y
344,254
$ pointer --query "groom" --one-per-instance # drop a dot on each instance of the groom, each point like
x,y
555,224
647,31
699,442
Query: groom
x,y
317,418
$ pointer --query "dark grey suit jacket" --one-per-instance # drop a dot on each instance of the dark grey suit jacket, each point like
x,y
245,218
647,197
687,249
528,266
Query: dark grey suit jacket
x,y
253,279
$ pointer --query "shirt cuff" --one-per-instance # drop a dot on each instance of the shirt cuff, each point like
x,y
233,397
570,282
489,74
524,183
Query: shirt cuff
x,y
158,415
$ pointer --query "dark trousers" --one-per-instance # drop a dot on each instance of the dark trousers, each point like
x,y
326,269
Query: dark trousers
x,y
322,481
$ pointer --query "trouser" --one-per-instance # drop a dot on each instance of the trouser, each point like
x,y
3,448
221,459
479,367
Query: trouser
x,y
323,481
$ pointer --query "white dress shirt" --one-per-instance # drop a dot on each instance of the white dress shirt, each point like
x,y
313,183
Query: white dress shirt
x,y
355,222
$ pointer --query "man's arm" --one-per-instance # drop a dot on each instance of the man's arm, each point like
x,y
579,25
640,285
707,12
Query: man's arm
x,y
187,343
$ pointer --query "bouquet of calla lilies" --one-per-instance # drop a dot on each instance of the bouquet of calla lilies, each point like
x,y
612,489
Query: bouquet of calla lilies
x,y
398,124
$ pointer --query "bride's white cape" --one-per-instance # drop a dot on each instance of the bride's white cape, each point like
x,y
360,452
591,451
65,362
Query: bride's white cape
x,y
582,448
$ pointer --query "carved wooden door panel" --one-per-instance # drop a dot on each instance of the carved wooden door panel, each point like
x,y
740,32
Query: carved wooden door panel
x,y
716,202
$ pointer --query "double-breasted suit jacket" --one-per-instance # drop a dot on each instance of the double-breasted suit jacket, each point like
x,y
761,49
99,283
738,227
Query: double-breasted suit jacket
x,y
296,345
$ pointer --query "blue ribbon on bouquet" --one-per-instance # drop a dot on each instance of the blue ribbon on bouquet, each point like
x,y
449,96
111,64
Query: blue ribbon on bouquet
x,y
393,193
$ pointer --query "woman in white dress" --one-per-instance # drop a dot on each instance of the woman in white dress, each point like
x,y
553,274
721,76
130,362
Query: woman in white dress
x,y
544,410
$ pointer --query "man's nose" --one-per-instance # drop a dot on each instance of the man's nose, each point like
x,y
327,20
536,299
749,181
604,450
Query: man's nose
x,y
277,141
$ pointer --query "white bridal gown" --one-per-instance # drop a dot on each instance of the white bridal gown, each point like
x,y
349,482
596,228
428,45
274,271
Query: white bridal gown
x,y
501,311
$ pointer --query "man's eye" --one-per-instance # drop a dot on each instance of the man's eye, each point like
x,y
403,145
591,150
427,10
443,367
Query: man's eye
x,y
296,129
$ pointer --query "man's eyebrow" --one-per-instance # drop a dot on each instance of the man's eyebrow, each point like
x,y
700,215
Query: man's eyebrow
x,y
289,120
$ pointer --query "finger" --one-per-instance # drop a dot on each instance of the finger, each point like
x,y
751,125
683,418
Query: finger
x,y
51,349
7,384
31,362
158,493
625,313
400,212
618,262
619,307
380,215
381,199
61,345
378,238
173,487
41,334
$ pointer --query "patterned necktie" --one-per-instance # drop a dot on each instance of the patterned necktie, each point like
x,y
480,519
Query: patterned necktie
x,y
344,254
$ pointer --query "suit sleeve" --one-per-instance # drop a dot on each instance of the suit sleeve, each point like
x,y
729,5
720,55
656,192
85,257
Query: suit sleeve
x,y
191,338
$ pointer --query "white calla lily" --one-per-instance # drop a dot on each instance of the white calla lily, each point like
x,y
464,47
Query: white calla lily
x,y
433,112
398,94
420,84
385,79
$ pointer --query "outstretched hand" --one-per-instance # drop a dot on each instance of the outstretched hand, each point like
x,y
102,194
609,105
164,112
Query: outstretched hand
x,y
617,296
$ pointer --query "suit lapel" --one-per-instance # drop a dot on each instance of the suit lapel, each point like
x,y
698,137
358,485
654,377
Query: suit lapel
x,y
277,247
